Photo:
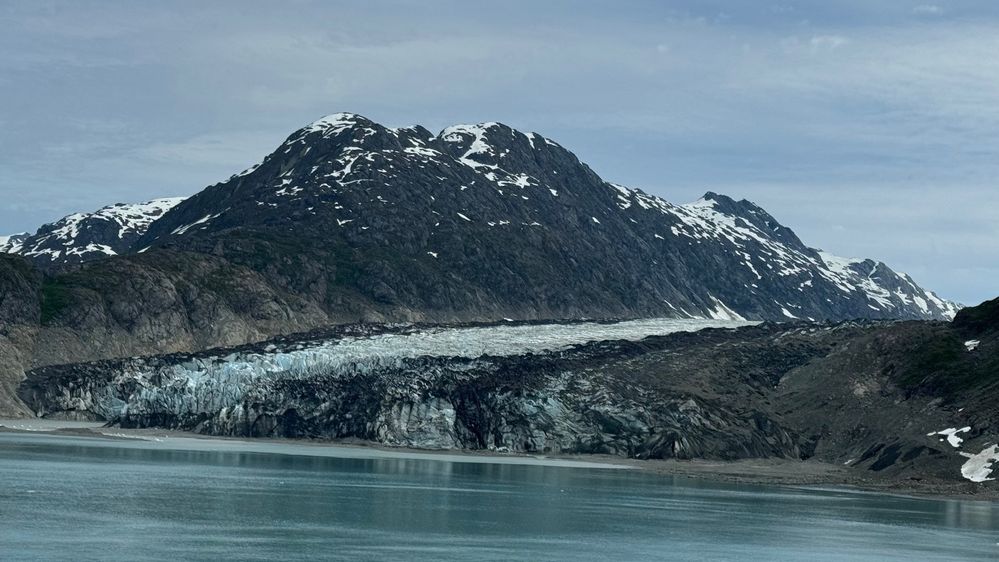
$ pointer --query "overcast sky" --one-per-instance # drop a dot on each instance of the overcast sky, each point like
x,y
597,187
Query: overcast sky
x,y
869,127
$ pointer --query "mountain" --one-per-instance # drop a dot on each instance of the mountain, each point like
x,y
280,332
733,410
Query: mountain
x,y
349,221
487,218
81,237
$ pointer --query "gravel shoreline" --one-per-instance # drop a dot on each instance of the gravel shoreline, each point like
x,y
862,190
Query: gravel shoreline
x,y
771,472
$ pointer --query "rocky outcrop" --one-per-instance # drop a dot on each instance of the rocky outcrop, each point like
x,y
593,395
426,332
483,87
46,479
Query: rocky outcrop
x,y
979,320
885,401
19,318
162,303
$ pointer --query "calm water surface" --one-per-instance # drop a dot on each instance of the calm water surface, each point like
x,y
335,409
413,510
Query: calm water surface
x,y
85,498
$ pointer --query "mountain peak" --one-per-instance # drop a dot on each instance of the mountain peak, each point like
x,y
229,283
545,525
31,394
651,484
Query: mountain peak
x,y
486,134
80,237
338,121
476,130
727,203
11,243
333,125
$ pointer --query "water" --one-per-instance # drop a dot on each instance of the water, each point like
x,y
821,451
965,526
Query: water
x,y
90,499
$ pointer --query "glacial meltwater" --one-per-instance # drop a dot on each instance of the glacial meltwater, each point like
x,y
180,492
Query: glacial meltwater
x,y
85,498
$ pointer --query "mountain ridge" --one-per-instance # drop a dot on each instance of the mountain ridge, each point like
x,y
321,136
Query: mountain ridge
x,y
351,222
351,175
453,204
82,236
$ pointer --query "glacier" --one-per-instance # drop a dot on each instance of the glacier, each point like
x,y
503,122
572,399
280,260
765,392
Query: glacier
x,y
517,387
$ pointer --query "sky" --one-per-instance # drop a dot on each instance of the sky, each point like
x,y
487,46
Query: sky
x,y
871,128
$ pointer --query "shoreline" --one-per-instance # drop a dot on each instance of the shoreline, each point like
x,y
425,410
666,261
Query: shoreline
x,y
762,471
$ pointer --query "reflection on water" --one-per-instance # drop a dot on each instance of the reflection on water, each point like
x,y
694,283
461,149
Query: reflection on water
x,y
63,498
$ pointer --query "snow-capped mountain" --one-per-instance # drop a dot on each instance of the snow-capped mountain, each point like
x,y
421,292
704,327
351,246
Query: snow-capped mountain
x,y
82,237
11,243
885,288
487,214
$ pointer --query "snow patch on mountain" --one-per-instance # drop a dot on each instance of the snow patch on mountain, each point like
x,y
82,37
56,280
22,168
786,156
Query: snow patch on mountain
x,y
479,145
481,155
334,124
202,220
978,467
723,312
950,435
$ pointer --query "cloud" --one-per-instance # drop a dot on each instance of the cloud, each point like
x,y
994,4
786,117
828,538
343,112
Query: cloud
x,y
828,41
927,10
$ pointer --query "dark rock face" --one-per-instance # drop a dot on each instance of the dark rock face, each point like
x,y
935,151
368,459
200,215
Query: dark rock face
x,y
880,401
82,237
979,320
19,310
162,302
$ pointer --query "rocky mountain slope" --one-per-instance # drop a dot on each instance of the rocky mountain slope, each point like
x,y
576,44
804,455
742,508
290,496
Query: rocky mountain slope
x,y
487,213
901,402
82,237
483,220
19,325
